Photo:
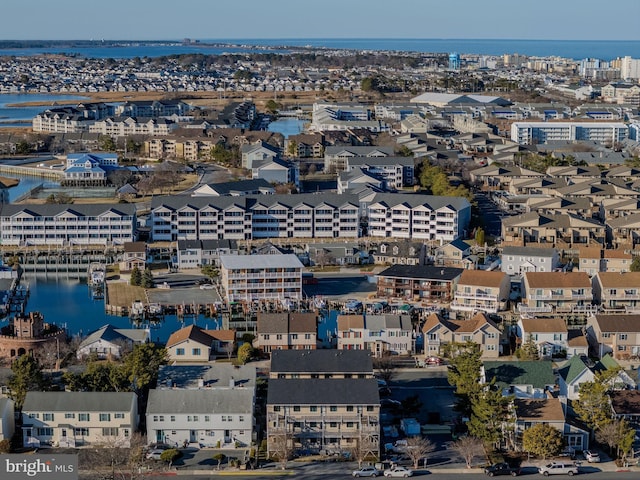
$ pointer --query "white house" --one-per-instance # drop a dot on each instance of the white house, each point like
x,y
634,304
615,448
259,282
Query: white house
x,y
518,260
73,419
552,337
108,341
222,418
7,417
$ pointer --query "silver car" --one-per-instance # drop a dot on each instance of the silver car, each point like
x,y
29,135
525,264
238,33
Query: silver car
x,y
554,468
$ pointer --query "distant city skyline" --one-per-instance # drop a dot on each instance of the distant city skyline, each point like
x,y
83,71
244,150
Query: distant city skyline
x,y
209,19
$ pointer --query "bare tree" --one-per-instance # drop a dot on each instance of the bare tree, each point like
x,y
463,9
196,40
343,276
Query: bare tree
x,y
48,354
386,368
418,448
468,448
111,454
366,449
280,447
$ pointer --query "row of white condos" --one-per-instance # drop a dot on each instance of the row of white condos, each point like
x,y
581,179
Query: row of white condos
x,y
425,217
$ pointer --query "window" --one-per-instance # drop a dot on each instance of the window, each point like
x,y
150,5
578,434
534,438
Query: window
x,y
69,415
349,408
622,336
172,418
333,408
47,417
81,432
118,415
313,408
296,408
126,433
241,418
276,408
196,352
83,417
369,408
179,351
195,418
110,432
106,417
207,418
45,432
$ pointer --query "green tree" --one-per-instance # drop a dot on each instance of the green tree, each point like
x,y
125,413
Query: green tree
x,y
106,143
26,376
272,106
618,435
490,413
245,352
142,365
210,271
219,457
405,151
136,277
528,351
635,264
479,237
170,455
593,406
464,374
542,440
99,376
147,279
23,147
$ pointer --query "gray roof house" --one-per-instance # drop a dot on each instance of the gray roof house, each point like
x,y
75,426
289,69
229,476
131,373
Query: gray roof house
x,y
108,341
307,363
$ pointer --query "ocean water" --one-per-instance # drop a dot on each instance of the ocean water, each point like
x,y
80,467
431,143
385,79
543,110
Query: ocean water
x,y
576,49
23,115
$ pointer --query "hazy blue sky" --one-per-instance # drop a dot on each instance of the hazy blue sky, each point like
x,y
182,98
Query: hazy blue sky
x,y
224,19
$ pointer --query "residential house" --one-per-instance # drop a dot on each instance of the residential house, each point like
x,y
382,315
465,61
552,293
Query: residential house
x,y
257,186
562,230
286,331
418,282
275,171
438,332
452,254
134,255
498,177
210,376
397,172
307,364
336,254
617,292
525,380
552,337
616,260
624,231
336,158
261,277
351,181
590,260
400,253
518,260
625,404
109,341
305,145
618,335
7,418
481,291
385,334
257,152
580,369
222,418
548,411
197,253
75,419
195,344
549,293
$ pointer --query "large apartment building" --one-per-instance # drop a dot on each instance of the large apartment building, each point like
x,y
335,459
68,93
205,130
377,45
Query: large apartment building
x,y
67,224
530,133
425,217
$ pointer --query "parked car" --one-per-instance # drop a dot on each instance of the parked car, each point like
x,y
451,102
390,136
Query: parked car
x,y
591,456
398,471
433,361
207,286
366,472
501,469
554,468
155,454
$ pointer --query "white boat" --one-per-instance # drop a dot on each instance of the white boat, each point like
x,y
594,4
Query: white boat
x,y
97,273
137,309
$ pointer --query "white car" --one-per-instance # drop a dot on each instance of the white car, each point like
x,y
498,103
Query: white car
x,y
554,468
398,472
591,457
155,454
207,286
366,472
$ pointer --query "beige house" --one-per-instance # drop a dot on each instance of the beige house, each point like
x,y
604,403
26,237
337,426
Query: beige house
x,y
286,331
481,291
552,337
134,255
624,231
380,334
195,344
557,230
438,332
75,419
617,292
590,260
549,293
618,335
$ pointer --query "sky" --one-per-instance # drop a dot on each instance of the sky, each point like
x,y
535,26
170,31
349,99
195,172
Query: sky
x,y
242,19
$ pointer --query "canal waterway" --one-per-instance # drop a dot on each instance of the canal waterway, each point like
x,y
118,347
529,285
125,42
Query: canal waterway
x,y
22,115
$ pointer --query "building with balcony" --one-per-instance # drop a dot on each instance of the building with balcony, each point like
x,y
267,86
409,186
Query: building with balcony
x,y
552,337
617,292
286,331
261,277
67,224
439,332
518,260
321,364
559,230
418,282
556,293
75,419
481,291
385,334
618,335
532,133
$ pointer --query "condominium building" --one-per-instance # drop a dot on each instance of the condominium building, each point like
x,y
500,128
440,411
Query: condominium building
x,y
530,133
261,277
425,217
67,224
